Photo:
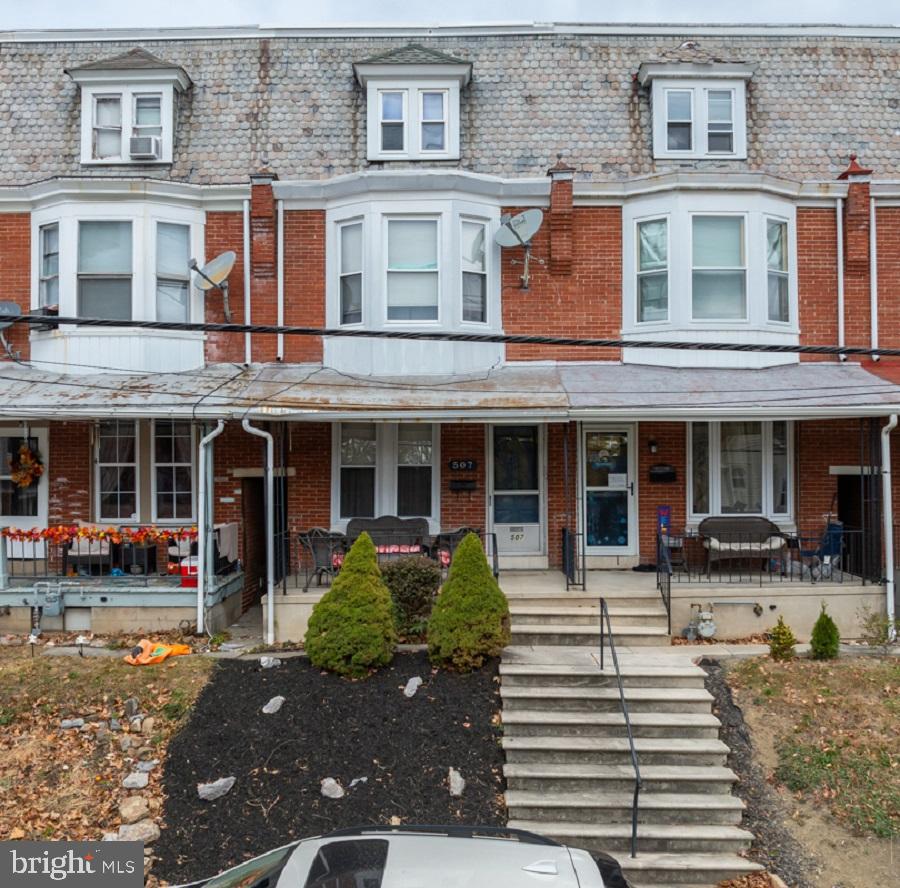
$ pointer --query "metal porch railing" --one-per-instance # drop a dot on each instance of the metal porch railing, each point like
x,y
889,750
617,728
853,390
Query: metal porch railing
x,y
574,561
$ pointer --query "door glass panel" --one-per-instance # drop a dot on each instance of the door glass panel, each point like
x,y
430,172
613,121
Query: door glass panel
x,y
516,508
607,518
516,458
607,455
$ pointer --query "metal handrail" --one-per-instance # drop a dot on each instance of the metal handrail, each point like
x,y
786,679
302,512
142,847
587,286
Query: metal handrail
x,y
574,572
664,575
606,633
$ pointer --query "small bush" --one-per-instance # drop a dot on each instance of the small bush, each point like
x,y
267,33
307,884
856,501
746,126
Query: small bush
x,y
470,618
876,627
351,630
781,642
413,583
826,640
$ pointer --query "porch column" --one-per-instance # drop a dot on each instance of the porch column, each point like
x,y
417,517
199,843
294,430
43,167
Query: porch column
x,y
205,518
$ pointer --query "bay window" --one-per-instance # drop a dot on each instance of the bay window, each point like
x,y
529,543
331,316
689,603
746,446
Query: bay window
x,y
719,286
385,469
104,270
412,270
740,468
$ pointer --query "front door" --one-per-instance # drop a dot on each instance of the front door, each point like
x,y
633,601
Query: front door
x,y
516,490
609,496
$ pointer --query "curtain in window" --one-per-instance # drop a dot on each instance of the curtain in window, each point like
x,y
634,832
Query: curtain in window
x,y
351,273
433,127
719,280
474,279
173,465
776,262
414,456
118,470
653,276
741,467
172,284
104,270
412,270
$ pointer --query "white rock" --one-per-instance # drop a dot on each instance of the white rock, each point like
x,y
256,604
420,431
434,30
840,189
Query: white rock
x,y
412,686
331,789
273,705
133,809
457,783
136,780
269,662
68,724
209,792
145,831
146,767
357,780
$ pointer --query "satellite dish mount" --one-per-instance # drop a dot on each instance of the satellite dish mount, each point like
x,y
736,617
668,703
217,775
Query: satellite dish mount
x,y
214,276
517,231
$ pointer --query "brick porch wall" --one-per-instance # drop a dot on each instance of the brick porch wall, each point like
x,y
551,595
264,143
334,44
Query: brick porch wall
x,y
463,507
671,444
562,497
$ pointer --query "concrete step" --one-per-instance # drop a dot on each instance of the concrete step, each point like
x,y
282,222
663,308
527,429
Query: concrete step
x,y
577,777
531,614
606,699
589,636
576,598
615,838
636,675
525,723
615,807
685,870
615,750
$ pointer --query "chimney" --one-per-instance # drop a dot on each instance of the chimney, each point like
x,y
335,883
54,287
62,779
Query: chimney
x,y
263,284
561,179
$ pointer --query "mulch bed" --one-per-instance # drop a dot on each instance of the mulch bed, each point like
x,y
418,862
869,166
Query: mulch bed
x,y
773,845
328,727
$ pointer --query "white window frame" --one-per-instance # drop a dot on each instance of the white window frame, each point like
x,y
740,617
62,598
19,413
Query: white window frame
x,y
783,519
663,217
412,89
486,274
404,123
706,96
745,253
143,216
127,93
109,519
42,253
699,89
386,465
387,218
374,216
341,274
25,522
791,263
153,465
445,120
691,120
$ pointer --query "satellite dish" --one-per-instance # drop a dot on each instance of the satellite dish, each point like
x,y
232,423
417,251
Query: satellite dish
x,y
214,276
517,231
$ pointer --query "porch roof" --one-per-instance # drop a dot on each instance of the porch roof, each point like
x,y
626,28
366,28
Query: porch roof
x,y
549,392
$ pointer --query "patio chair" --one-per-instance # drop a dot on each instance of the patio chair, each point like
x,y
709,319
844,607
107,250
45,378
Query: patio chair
x,y
822,561
325,551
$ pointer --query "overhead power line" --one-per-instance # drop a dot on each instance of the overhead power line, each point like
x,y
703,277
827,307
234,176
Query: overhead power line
x,y
496,338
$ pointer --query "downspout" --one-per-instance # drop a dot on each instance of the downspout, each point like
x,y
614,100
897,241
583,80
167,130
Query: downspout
x,y
888,517
204,522
270,527
840,275
247,350
873,276
279,356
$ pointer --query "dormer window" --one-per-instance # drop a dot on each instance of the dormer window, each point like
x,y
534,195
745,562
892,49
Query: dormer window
x,y
412,97
699,110
128,108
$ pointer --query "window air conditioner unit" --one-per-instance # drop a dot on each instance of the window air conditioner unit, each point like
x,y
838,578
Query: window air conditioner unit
x,y
145,147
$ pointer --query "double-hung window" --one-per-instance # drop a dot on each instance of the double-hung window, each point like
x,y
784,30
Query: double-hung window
x,y
412,270
173,284
147,117
653,270
117,470
719,279
350,273
106,142
740,468
433,121
679,120
48,278
173,474
474,272
414,467
392,106
777,270
104,270
720,121
358,456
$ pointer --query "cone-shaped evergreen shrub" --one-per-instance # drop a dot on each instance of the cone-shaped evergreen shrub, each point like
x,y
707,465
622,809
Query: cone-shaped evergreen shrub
x,y
351,630
826,640
470,618
782,641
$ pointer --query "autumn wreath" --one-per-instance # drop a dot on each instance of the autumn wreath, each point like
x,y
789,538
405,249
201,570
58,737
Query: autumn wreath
x,y
26,467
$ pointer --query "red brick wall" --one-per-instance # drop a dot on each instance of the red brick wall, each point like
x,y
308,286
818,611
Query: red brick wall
x,y
304,281
887,225
463,507
225,231
15,272
586,302
671,444
817,277
562,502
70,463
263,280
856,265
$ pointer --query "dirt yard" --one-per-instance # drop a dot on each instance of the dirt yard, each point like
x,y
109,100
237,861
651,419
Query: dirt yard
x,y
825,736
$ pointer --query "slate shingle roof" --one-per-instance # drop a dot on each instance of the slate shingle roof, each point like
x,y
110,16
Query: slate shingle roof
x,y
293,105
134,60
412,54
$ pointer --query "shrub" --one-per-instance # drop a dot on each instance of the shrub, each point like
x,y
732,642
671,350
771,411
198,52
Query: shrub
x,y
470,618
826,640
782,641
413,583
351,630
876,628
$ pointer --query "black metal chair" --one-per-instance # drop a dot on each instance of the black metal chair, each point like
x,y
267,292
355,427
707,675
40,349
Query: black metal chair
x,y
324,551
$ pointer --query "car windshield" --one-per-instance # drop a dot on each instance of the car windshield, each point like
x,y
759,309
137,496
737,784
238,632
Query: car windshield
x,y
261,872
357,863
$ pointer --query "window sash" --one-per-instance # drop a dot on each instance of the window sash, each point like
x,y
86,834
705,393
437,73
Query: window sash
x,y
48,278
173,470
391,123
718,288
777,275
414,458
141,104
473,268
105,271
413,275
717,478
117,478
106,133
173,246
652,270
719,127
679,123
433,127
350,274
